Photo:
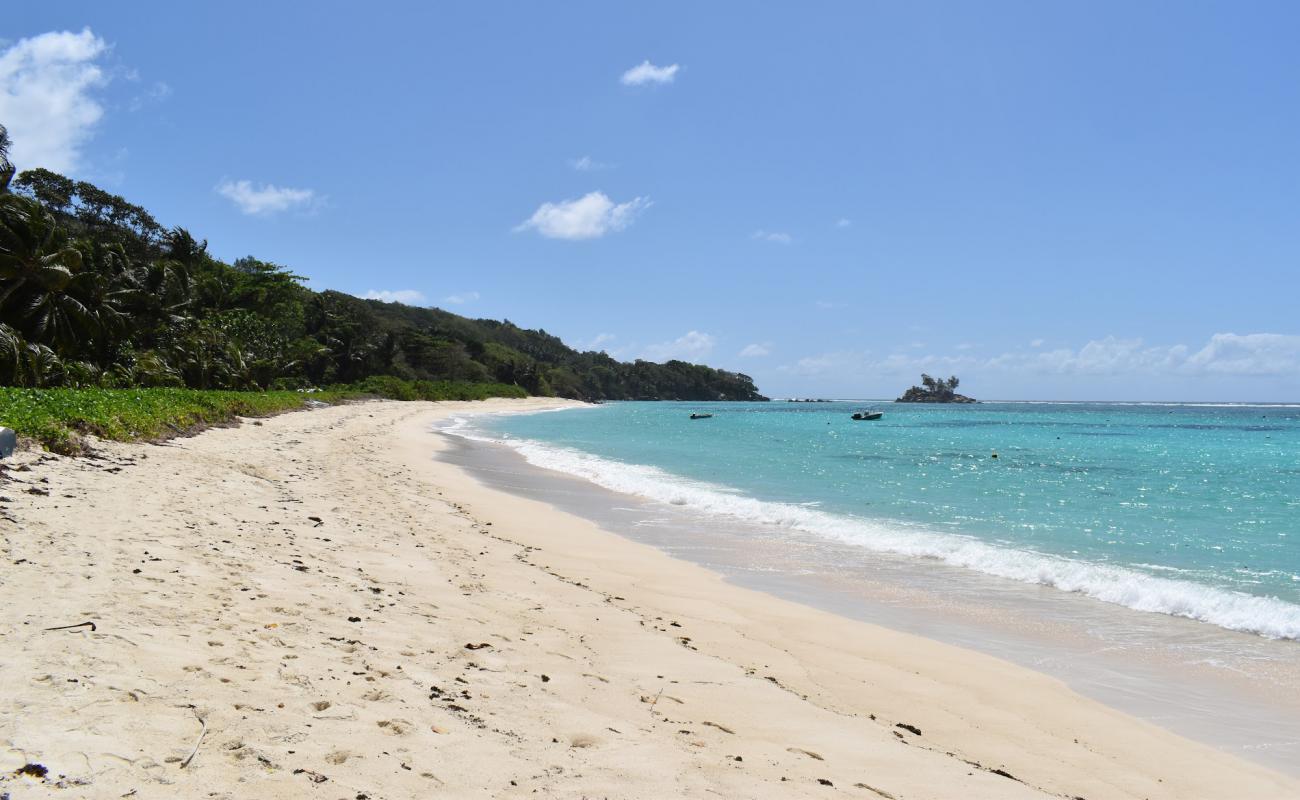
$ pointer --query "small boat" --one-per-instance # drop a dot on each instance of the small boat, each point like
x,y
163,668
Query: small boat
x,y
868,415
701,416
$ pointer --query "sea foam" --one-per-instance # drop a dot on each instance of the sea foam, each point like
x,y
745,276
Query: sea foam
x,y
1266,616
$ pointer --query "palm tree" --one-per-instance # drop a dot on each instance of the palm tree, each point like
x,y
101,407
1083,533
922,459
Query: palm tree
x,y
37,275
13,355
105,291
156,294
6,169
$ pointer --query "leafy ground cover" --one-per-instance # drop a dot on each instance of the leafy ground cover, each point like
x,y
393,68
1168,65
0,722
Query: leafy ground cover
x,y
58,418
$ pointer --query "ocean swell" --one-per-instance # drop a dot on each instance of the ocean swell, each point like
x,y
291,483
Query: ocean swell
x,y
1266,616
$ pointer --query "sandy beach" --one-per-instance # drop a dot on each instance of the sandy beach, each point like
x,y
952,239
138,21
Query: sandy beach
x,y
312,605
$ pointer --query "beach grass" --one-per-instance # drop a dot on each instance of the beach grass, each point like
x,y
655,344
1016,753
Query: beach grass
x,y
58,418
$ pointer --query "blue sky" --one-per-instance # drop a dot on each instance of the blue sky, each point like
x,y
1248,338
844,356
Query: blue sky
x,y
1051,200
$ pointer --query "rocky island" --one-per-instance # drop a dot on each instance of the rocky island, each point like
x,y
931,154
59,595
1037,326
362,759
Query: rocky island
x,y
935,391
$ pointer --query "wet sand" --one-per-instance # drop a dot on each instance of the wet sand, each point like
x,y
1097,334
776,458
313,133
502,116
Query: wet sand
x,y
1236,691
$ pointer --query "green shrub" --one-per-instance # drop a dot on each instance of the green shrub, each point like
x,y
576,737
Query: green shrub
x,y
393,388
57,417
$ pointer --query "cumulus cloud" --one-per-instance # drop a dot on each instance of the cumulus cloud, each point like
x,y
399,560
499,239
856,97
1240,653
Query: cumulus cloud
x,y
843,222
588,217
410,297
1249,354
756,350
1109,356
1037,343
47,86
690,346
461,298
772,236
1255,354
645,72
265,199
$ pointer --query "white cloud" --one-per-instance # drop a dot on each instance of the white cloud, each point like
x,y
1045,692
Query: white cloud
x,y
1037,343
588,164
157,93
410,297
46,87
843,222
645,72
828,304
1251,354
690,346
1109,356
1256,354
836,363
266,199
756,350
461,298
588,217
598,343
966,346
772,236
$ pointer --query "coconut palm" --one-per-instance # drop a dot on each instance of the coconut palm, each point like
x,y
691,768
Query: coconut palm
x,y
37,272
6,169
13,354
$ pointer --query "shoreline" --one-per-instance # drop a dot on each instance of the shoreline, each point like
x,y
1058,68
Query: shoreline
x,y
1224,688
321,603
1014,527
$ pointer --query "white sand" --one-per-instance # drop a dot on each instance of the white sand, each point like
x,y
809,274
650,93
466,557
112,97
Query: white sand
x,y
599,667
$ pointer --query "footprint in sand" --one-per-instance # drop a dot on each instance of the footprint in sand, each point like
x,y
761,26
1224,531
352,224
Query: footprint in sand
x,y
397,727
338,756
321,705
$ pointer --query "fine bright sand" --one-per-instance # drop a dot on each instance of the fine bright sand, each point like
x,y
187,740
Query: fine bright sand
x,y
312,606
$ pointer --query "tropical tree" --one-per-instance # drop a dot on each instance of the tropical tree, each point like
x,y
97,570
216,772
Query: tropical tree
x,y
6,168
94,291
37,271
50,189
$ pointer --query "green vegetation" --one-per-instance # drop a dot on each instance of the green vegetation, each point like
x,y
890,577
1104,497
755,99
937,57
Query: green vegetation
x,y
57,417
934,390
398,389
94,292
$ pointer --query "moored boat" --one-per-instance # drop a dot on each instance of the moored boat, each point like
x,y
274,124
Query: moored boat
x,y
701,416
867,415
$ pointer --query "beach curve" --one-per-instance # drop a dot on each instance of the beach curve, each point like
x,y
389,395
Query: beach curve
x,y
313,602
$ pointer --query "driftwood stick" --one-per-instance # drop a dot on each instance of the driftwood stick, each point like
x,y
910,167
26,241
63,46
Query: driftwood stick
x,y
203,732
655,702
70,627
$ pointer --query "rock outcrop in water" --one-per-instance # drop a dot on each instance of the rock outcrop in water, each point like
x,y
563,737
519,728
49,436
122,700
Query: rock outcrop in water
x,y
935,391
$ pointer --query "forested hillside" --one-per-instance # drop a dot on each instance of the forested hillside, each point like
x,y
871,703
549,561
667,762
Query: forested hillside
x,y
95,292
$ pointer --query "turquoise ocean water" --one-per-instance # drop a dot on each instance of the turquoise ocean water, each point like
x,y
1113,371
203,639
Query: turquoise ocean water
x,y
1191,510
